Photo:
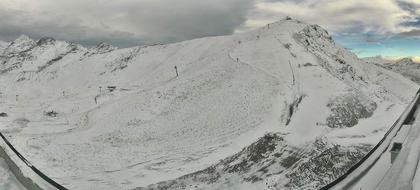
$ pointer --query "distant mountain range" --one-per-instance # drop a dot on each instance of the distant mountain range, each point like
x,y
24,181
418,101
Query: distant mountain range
x,y
405,66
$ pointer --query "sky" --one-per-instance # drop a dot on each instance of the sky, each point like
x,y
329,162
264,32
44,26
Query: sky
x,y
390,28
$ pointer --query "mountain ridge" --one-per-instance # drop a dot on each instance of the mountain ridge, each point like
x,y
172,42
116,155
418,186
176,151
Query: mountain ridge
x,y
405,66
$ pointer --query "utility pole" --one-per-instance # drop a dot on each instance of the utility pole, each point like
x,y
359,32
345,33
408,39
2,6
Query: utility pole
x,y
176,71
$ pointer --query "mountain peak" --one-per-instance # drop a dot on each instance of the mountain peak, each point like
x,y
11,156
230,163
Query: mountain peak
x,y
45,41
405,61
104,48
23,38
21,44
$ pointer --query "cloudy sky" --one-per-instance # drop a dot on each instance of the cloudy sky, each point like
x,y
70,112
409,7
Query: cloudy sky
x,y
367,27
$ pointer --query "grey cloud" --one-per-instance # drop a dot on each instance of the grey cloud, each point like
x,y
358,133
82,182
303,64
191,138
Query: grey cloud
x,y
373,16
126,22
412,22
136,22
408,6
370,39
412,33
186,19
15,23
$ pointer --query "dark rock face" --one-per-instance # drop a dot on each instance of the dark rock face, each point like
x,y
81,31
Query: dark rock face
x,y
325,163
315,32
302,168
348,109
242,164
102,48
45,41
292,108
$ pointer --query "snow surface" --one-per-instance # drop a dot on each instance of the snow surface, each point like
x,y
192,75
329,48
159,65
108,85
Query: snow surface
x,y
231,91
7,180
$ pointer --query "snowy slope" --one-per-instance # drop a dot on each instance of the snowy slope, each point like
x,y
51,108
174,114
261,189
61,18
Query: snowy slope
x,y
248,110
282,160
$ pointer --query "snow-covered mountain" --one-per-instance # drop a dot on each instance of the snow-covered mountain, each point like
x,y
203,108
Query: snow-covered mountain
x,y
405,66
279,107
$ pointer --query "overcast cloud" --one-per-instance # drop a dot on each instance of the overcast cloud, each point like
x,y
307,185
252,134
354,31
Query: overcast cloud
x,y
133,22
122,22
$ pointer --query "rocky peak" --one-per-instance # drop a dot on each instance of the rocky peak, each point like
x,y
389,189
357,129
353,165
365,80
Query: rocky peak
x,y
23,39
103,48
22,43
316,32
405,61
45,41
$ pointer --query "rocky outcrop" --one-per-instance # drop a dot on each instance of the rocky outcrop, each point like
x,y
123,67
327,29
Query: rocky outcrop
x,y
346,110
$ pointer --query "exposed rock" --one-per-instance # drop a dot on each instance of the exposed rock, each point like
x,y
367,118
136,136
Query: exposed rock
x,y
346,110
45,41
21,44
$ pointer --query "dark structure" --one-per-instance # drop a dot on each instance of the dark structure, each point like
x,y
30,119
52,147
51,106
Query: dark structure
x,y
111,88
395,150
176,71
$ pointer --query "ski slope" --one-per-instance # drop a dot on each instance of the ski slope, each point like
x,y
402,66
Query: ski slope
x,y
232,92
